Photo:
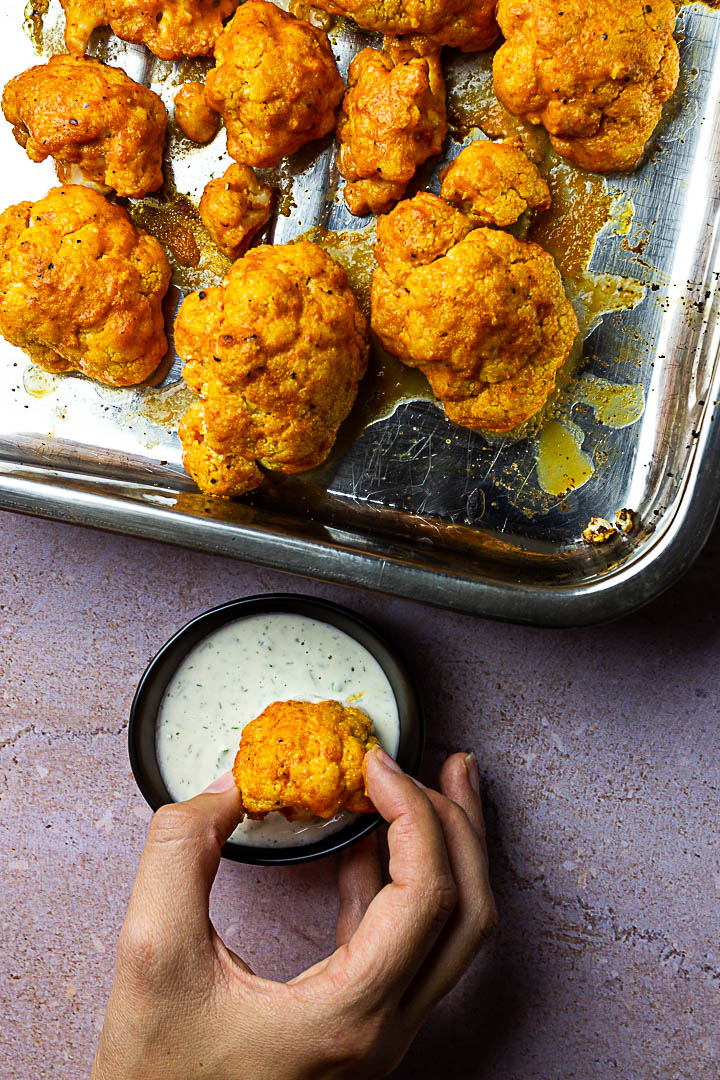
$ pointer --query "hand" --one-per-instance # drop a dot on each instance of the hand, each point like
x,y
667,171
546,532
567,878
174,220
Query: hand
x,y
184,1007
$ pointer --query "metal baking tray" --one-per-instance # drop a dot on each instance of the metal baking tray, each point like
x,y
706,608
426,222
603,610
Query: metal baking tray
x,y
408,503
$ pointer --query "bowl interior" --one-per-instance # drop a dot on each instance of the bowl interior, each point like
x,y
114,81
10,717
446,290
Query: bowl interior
x,y
148,697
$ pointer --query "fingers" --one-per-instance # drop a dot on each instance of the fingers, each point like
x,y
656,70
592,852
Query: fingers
x,y
359,882
170,899
460,812
403,921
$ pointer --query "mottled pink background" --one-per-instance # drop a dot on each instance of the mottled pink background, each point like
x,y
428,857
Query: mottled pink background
x,y
599,751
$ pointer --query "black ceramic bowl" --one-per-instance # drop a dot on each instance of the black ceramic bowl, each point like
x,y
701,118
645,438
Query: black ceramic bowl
x,y
151,688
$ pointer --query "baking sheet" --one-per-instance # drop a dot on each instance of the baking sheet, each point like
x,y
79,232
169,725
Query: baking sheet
x,y
408,502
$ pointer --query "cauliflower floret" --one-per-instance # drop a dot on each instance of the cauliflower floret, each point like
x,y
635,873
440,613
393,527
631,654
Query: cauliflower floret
x,y
493,183
275,352
81,18
465,24
392,120
483,315
596,75
81,288
171,29
301,758
83,113
275,84
235,207
194,116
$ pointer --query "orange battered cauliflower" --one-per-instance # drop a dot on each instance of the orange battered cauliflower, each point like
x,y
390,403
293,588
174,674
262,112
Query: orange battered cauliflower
x,y
483,315
81,287
170,28
275,352
464,24
392,120
493,183
595,74
235,207
194,116
83,113
300,758
275,84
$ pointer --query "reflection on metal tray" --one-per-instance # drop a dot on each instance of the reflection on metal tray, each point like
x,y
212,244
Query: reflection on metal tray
x,y
408,503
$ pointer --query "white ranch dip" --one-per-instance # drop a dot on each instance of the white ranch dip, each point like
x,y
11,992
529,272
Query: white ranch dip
x,y
236,672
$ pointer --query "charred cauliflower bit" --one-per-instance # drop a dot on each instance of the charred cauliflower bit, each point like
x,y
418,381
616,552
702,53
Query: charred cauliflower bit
x,y
464,24
81,18
81,288
275,84
599,531
483,315
300,758
171,29
275,352
235,207
493,183
625,520
392,120
83,113
596,75
194,116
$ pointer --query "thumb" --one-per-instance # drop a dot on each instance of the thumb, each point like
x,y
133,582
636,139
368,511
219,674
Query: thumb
x,y
180,860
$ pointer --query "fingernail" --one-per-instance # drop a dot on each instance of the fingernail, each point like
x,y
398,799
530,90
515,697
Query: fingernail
x,y
473,772
386,760
222,783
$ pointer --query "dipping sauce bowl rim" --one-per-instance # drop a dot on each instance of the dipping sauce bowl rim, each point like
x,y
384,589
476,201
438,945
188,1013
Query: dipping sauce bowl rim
x,y
151,688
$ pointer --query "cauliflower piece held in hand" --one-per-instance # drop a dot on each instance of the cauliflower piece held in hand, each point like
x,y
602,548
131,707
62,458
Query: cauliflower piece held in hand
x,y
463,24
171,29
301,758
481,314
595,75
234,207
81,288
392,120
194,117
275,84
276,353
493,183
83,113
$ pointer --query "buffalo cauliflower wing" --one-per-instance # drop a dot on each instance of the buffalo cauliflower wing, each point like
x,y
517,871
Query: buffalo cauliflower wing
x,y
234,207
465,24
301,758
481,314
83,113
392,120
275,352
194,117
493,183
171,29
275,84
595,75
81,287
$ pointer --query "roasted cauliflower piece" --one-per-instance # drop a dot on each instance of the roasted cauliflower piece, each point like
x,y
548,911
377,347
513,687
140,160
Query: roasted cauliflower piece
x,y
275,84
83,113
596,75
81,18
171,29
392,120
493,183
195,118
275,352
234,207
464,24
481,314
300,758
81,287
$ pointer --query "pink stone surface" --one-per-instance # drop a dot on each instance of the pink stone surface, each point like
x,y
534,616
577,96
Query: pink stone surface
x,y
599,754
